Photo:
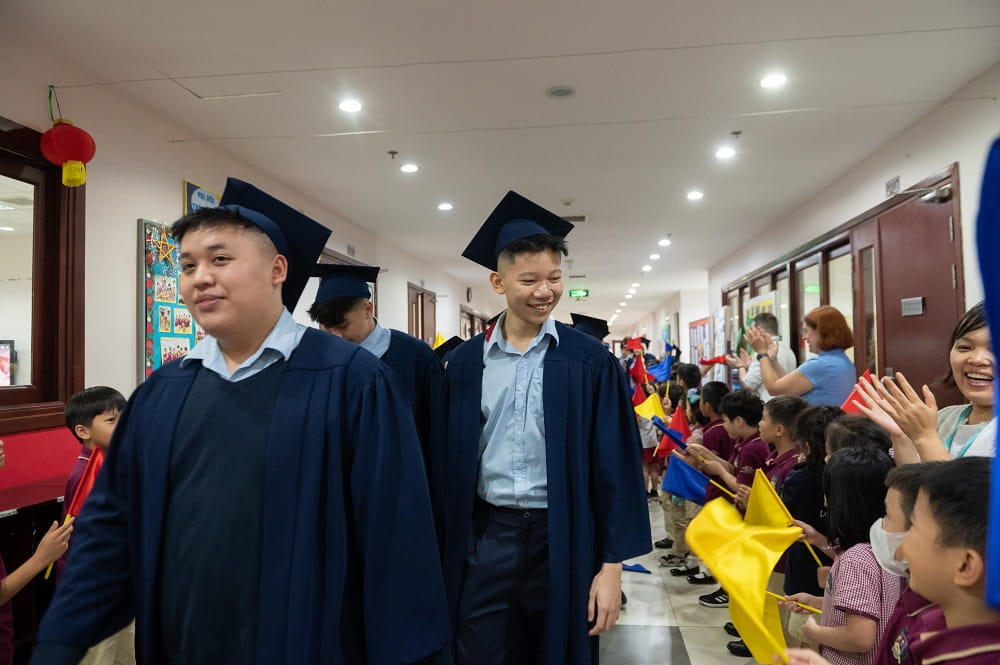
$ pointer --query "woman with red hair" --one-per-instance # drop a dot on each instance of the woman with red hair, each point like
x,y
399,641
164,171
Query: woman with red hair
x,y
828,378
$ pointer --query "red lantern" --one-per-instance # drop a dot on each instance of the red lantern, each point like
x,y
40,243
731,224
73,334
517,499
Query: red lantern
x,y
71,148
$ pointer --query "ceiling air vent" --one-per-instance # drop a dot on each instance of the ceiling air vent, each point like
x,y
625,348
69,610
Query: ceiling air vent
x,y
578,277
575,219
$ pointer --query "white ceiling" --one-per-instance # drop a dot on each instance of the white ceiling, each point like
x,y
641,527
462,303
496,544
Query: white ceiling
x,y
16,208
459,88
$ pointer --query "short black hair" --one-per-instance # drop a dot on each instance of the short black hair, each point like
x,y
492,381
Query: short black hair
x,y
785,409
331,313
712,393
213,218
83,407
810,432
958,493
854,484
532,245
906,480
856,431
689,374
767,321
671,390
972,320
742,404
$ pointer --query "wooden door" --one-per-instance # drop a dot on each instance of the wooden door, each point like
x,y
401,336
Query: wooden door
x,y
922,293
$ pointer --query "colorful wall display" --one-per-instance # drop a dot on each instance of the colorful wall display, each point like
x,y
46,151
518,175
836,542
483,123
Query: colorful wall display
x,y
701,340
168,329
719,344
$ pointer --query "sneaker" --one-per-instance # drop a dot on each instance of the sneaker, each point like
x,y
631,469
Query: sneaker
x,y
652,494
739,648
672,561
718,598
731,629
664,544
700,578
684,572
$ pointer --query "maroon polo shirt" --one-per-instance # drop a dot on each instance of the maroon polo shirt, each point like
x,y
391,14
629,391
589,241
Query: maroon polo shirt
x,y
966,645
777,467
913,616
749,455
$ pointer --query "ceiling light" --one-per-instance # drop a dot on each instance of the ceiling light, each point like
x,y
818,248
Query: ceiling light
x,y
775,80
664,242
632,291
561,91
647,268
627,296
635,285
350,106
409,167
725,152
622,304
695,195
618,311
445,206
6,228
654,257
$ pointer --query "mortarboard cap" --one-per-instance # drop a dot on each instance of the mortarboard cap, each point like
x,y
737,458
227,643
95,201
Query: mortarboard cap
x,y
514,218
340,281
298,238
445,347
596,328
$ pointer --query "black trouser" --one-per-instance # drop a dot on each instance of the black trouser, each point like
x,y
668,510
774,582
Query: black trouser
x,y
501,614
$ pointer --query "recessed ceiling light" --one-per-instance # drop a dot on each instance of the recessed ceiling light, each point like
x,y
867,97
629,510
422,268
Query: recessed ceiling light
x,y
632,291
6,228
618,311
647,268
561,91
654,257
445,206
350,106
725,152
409,167
664,242
635,285
775,80
695,195
622,304
627,296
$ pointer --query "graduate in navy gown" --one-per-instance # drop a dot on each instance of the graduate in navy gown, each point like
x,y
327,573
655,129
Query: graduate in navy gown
x,y
343,307
545,491
257,504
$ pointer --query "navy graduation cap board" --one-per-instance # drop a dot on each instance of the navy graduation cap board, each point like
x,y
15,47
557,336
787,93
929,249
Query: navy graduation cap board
x,y
298,238
597,328
447,346
343,281
514,218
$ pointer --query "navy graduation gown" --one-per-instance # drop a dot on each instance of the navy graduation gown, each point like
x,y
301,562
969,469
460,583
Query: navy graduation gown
x,y
597,508
349,564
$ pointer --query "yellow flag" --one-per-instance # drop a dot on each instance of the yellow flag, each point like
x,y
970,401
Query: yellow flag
x,y
651,407
765,507
741,556
438,341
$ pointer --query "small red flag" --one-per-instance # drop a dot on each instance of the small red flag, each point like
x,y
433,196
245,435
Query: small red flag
x,y
94,465
717,360
679,423
849,407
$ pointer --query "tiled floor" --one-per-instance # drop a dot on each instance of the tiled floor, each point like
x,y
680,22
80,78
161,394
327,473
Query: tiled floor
x,y
663,623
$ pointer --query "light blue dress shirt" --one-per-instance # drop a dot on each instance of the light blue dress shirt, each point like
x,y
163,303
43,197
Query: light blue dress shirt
x,y
512,468
283,339
377,342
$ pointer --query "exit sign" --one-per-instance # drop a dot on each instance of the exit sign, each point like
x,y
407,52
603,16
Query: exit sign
x,y
579,293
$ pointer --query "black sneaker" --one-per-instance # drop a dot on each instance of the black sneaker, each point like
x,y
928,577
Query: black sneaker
x,y
664,544
738,648
671,560
731,629
684,572
624,599
700,578
718,598
652,494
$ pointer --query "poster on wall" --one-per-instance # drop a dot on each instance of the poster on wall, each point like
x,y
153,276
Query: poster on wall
x,y
766,302
168,330
7,356
196,198
701,340
719,344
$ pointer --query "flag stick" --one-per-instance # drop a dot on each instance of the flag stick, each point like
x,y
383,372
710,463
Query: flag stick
x,y
48,571
723,488
813,552
802,605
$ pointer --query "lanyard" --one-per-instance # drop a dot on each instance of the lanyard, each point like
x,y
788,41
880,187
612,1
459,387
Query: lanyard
x,y
968,444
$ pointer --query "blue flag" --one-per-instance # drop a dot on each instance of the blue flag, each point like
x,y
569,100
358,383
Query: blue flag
x,y
988,239
661,371
685,481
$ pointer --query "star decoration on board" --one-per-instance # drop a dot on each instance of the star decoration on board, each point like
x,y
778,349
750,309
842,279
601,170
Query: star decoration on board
x,y
165,246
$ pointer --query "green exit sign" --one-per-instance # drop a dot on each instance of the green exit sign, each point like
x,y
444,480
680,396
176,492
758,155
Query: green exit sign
x,y
579,293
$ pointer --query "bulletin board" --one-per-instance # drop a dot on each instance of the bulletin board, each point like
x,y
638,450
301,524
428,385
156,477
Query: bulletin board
x,y
168,331
701,340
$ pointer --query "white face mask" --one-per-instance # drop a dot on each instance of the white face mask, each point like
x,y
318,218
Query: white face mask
x,y
884,546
